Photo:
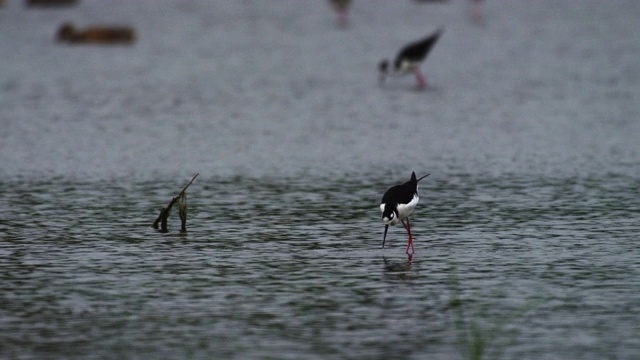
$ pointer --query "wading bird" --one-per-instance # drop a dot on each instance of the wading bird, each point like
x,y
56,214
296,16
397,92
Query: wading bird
x,y
341,8
397,204
409,59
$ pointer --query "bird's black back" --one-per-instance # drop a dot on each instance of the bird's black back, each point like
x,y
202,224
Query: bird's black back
x,y
418,51
401,194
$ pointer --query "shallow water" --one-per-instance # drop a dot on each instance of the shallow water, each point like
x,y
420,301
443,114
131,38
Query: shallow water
x,y
525,234
281,267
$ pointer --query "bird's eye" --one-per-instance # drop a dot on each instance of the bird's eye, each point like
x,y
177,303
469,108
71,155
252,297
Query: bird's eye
x,y
391,216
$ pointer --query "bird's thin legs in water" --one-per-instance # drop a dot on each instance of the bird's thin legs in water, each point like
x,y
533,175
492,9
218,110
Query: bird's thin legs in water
x,y
343,18
422,82
407,227
476,12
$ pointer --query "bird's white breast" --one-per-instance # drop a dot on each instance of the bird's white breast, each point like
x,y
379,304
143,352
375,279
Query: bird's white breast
x,y
406,67
404,210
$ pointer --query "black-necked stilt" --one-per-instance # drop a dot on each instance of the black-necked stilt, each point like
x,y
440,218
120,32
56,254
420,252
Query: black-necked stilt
x,y
409,59
397,204
341,7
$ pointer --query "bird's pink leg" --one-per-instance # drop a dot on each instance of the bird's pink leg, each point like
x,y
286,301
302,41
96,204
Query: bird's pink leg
x,y
476,11
343,17
422,82
407,227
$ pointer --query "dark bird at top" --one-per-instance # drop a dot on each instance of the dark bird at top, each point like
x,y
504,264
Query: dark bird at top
x,y
409,59
476,11
341,8
51,3
104,35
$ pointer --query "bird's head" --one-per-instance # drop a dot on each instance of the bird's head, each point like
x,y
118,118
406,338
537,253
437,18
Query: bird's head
x,y
66,32
390,214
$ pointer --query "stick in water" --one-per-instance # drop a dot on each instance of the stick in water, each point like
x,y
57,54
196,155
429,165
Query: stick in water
x,y
164,212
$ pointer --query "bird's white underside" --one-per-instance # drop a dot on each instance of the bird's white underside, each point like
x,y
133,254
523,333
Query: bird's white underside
x,y
406,67
404,210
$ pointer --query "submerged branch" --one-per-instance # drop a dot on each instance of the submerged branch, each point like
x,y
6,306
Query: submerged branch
x,y
182,203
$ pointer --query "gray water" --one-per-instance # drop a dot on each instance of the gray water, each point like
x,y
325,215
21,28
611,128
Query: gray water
x,y
525,234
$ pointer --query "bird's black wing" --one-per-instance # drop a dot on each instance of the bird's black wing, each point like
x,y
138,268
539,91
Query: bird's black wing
x,y
418,50
400,194
390,195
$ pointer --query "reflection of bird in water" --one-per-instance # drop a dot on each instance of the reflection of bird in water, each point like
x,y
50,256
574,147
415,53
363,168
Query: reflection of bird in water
x,y
397,204
96,35
409,59
396,267
341,8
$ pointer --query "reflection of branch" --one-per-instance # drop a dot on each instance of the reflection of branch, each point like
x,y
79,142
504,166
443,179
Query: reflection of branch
x,y
164,212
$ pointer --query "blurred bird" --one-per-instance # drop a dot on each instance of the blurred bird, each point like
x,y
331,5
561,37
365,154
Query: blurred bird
x,y
341,8
51,3
409,59
476,11
96,35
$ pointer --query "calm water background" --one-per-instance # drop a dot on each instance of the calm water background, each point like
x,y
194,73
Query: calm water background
x,y
526,233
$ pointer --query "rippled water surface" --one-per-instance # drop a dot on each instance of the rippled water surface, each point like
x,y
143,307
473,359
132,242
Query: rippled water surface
x,y
526,233
531,268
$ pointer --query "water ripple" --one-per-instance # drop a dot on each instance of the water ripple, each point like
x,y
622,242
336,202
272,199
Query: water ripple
x,y
282,264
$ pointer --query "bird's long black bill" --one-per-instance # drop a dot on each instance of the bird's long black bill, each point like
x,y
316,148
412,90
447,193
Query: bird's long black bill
x,y
384,238
423,177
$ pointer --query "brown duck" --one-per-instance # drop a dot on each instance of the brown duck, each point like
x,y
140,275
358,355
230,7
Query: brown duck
x,y
51,3
96,35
